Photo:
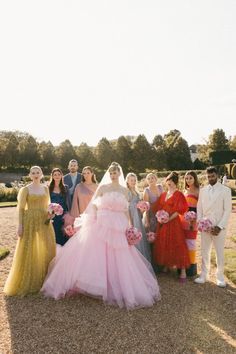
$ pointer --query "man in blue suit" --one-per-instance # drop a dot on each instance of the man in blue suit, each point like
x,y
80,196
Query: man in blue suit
x,y
72,178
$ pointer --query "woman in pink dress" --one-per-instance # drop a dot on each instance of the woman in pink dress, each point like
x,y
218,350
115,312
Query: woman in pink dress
x,y
98,260
84,192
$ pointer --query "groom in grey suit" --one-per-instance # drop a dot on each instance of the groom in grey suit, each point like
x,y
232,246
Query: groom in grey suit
x,y
72,178
215,204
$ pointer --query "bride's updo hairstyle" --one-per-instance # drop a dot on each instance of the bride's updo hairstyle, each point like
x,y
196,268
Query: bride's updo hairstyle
x,y
114,166
174,177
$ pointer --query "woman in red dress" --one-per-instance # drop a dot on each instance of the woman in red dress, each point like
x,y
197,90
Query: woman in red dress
x,y
170,249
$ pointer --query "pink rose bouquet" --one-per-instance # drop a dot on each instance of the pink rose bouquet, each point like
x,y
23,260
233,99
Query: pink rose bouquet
x,y
162,216
54,209
190,217
133,235
143,206
205,225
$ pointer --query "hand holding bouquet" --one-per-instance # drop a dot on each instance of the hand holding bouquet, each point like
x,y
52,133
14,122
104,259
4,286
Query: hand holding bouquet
x,y
143,206
190,217
133,235
53,209
162,216
205,225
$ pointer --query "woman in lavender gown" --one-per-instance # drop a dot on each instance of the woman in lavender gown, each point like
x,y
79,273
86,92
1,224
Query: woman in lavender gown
x,y
151,194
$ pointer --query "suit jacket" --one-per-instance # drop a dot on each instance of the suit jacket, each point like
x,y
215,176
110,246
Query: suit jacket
x,y
68,182
217,206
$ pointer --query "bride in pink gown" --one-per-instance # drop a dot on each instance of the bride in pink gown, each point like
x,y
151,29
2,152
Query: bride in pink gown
x,y
98,261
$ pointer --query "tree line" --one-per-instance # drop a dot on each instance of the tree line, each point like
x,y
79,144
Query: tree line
x,y
20,150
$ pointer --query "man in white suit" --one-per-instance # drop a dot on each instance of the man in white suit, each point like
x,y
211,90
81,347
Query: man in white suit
x,y
214,203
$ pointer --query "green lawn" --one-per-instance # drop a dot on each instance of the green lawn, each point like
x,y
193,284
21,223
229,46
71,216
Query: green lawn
x,y
230,263
3,252
7,204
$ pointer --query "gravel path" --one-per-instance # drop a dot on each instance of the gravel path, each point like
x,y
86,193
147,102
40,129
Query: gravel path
x,y
189,319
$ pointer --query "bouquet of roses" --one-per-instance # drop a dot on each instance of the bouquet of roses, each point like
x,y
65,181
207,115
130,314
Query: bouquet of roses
x,y
204,225
54,209
133,235
190,216
143,206
151,236
162,216
69,230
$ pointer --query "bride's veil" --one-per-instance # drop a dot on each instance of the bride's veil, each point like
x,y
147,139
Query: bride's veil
x,y
106,177
89,213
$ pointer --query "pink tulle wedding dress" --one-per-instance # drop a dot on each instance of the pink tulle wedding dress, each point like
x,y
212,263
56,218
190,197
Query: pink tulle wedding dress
x,y
98,261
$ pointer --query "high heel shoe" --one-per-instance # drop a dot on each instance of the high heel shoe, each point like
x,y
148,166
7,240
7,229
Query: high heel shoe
x,y
182,280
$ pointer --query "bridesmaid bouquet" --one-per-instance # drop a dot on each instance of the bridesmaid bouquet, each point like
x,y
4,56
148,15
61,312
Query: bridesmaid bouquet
x,y
190,216
162,216
133,235
54,209
205,225
151,236
143,206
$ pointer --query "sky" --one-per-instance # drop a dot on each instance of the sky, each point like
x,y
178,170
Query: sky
x,y
83,70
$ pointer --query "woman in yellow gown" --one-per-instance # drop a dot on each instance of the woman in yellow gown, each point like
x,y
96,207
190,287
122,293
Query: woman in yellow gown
x,y
36,245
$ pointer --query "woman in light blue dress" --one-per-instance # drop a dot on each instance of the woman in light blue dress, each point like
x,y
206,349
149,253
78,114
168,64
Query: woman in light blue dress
x,y
151,194
136,216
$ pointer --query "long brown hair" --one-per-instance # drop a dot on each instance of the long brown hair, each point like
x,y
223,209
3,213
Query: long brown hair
x,y
194,175
174,177
52,182
93,175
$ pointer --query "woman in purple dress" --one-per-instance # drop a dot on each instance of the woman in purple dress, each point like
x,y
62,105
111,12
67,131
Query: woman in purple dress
x,y
151,194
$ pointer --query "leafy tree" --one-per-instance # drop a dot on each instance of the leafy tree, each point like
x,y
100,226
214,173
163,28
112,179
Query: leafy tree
x,y
143,154
159,152
11,154
47,155
104,153
28,148
177,151
124,153
233,143
64,153
218,141
85,155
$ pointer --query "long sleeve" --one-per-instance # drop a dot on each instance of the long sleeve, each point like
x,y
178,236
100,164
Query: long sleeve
x,y
227,208
22,200
181,204
199,206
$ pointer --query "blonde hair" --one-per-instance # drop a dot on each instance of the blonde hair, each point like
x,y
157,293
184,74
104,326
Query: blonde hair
x,y
151,174
38,168
131,174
